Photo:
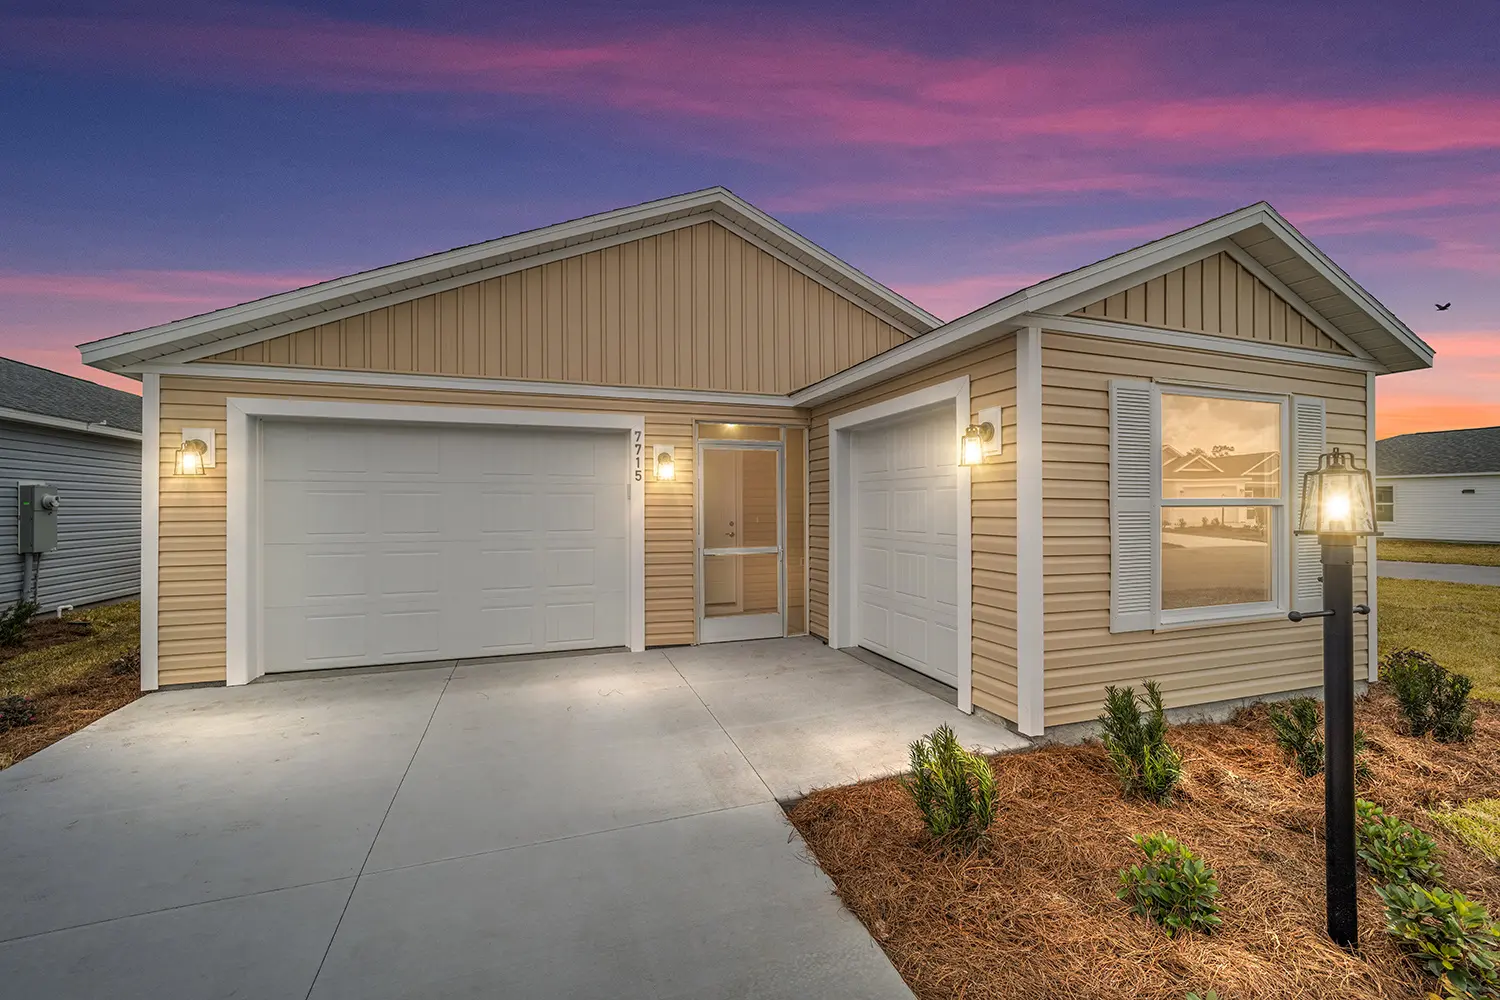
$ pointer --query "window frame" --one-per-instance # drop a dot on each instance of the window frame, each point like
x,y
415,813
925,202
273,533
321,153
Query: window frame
x,y
1280,527
1388,505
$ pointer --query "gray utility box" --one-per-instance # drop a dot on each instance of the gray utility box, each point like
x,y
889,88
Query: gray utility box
x,y
37,505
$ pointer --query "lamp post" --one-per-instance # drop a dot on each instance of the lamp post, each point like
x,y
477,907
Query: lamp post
x,y
1336,506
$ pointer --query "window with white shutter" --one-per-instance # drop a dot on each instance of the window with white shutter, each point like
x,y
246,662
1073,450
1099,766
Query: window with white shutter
x,y
1201,492
1309,440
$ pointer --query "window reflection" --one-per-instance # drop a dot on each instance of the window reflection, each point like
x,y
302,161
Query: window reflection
x,y
1219,447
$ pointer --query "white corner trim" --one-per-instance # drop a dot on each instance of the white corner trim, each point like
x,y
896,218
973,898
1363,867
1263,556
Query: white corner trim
x,y
150,437
1030,621
1372,574
244,419
63,423
1120,330
841,589
463,383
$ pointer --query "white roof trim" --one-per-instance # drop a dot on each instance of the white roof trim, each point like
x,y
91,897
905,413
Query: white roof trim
x,y
313,304
65,424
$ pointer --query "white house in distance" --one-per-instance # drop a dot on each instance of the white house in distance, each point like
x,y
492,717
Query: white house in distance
x,y
1440,485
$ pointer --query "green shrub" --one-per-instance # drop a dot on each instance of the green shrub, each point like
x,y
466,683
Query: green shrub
x,y
1210,995
1393,849
1476,823
16,711
1450,937
1136,742
1433,700
13,621
954,788
1298,730
1173,888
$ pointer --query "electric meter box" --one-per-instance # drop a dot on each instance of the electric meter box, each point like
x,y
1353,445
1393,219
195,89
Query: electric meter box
x,y
36,511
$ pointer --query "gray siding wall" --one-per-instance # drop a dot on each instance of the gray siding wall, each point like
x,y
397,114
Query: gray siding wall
x,y
98,554
1436,508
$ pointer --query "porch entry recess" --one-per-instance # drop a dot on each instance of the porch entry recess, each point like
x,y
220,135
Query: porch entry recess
x,y
742,540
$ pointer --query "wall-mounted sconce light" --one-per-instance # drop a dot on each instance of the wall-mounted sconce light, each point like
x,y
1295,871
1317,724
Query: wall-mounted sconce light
x,y
664,463
196,455
981,440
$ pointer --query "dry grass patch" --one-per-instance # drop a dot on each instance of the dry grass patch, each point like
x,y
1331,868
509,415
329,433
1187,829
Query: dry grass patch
x,y
1458,623
1464,553
1036,916
73,672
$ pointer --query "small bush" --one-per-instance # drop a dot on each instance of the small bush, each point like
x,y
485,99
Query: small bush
x,y
13,621
1433,700
1393,849
1173,888
1297,729
954,788
1476,823
1210,995
16,711
1448,936
1136,742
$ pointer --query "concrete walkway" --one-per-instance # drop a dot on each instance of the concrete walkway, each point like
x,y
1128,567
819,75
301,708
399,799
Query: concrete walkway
x,y
589,826
1447,572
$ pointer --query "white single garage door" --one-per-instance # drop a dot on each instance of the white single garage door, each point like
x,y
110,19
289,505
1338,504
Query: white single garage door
x,y
385,543
906,543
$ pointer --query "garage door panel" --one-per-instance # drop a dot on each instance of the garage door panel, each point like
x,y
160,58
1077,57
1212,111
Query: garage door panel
x,y
906,563
452,542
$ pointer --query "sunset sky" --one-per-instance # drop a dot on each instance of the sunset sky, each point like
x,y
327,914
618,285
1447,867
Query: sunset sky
x,y
161,160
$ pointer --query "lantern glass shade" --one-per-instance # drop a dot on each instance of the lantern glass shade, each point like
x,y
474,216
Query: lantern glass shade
x,y
971,447
190,458
666,467
1337,498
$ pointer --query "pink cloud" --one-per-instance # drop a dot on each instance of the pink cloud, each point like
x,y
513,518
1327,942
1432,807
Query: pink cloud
x,y
211,289
66,360
950,299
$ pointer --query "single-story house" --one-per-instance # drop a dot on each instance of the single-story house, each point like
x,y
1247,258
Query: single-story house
x,y
83,440
1441,486
682,422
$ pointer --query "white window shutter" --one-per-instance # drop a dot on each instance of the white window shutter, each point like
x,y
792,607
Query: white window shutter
x,y
1134,525
1309,440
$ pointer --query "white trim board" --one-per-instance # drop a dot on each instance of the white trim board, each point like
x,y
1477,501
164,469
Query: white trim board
x,y
1030,623
65,424
1372,575
244,417
841,596
150,529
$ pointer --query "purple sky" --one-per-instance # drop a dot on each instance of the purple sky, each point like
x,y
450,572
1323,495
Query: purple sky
x,y
160,163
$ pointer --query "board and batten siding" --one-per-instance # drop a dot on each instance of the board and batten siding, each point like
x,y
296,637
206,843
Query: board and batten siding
x,y
1195,665
1215,295
192,574
698,307
992,382
1436,508
98,554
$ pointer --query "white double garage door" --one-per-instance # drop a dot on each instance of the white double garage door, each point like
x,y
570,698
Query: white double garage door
x,y
905,565
386,543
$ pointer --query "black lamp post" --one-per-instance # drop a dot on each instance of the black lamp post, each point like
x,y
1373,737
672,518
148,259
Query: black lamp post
x,y
1336,506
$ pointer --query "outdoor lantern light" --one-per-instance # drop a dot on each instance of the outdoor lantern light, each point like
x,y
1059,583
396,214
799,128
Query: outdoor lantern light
x,y
976,436
1337,507
666,465
191,457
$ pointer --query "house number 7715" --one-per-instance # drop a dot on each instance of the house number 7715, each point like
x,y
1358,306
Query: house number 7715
x,y
636,435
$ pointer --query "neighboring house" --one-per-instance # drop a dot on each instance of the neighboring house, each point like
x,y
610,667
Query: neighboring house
x,y
1440,485
84,440
466,455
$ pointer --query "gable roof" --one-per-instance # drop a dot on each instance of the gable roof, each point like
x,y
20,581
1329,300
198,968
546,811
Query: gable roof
x,y
60,400
203,331
1439,453
1256,233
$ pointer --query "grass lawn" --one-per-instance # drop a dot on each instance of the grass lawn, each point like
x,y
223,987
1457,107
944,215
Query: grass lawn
x,y
1034,913
1459,623
1406,550
74,673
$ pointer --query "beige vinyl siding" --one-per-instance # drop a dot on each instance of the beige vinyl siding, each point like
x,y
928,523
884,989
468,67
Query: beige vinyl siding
x,y
697,307
1194,665
992,382
192,518
1214,295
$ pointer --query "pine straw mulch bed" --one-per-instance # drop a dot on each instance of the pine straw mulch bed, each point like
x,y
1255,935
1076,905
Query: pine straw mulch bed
x,y
64,710
1035,915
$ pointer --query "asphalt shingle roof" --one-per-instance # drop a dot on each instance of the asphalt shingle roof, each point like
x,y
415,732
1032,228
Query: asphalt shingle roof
x,y
52,394
1437,453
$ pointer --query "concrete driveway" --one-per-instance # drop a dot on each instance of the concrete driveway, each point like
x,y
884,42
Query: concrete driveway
x,y
589,826
1446,572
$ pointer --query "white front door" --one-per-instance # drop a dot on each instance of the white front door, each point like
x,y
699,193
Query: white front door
x,y
387,543
740,547
906,542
